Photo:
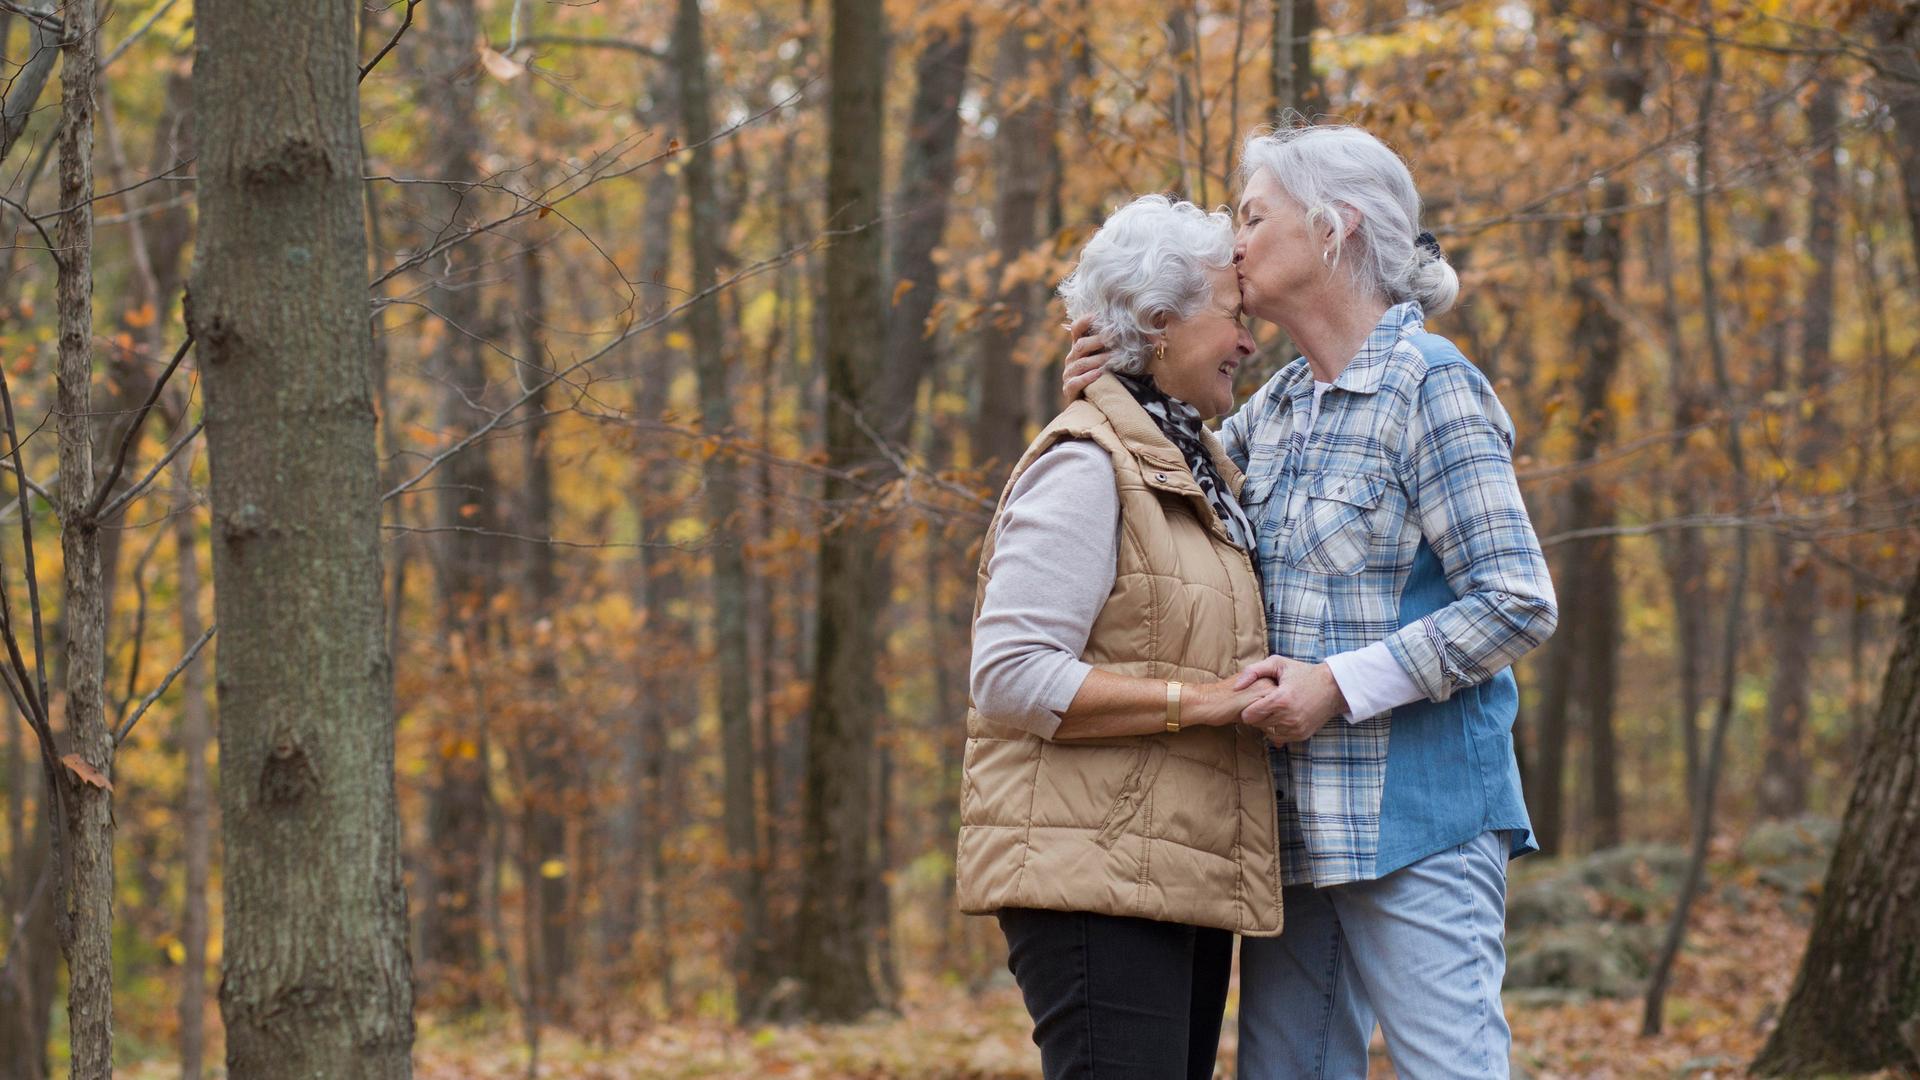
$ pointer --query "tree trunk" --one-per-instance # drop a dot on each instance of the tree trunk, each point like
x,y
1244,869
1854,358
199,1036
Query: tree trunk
x,y
196,824
923,198
835,954
1683,551
317,980
30,971
470,558
1000,427
86,915
1582,674
705,233
1292,83
1706,790
922,201
22,88
547,730
1783,778
1855,1005
1897,27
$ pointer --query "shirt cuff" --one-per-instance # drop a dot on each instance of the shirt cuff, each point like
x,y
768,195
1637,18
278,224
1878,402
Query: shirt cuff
x,y
1058,696
1372,681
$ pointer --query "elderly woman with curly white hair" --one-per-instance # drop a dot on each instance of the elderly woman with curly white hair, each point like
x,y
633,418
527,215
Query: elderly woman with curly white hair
x,y
1402,578
1115,814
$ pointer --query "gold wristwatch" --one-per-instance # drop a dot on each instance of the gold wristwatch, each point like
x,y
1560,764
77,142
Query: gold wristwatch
x,y
1173,705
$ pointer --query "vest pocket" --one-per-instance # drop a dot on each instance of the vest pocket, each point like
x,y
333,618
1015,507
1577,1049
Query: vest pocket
x,y
1150,755
1334,530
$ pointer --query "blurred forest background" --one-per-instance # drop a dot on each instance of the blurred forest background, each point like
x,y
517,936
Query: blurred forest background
x,y
702,338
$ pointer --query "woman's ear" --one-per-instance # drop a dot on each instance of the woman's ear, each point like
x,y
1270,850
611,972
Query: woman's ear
x,y
1349,220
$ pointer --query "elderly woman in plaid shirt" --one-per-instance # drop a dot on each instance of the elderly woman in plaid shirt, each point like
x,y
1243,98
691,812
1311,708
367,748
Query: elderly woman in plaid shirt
x,y
1402,579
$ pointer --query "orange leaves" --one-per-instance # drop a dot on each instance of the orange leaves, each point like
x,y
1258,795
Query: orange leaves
x,y
79,767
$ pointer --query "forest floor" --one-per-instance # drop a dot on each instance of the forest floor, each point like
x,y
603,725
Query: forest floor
x,y
1745,944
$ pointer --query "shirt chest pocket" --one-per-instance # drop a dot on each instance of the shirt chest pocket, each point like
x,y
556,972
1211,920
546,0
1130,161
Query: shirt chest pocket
x,y
1333,525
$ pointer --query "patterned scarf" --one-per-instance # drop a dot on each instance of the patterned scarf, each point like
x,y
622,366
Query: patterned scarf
x,y
1180,423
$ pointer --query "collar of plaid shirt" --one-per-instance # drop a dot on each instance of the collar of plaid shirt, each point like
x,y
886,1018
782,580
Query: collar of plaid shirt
x,y
1363,373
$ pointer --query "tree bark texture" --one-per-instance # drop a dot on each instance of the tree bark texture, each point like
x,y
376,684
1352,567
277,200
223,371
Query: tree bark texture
x,y
1855,1006
713,365
835,955
316,980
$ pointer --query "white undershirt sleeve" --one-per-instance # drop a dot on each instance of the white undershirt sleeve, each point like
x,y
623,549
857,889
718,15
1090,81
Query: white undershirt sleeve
x,y
1372,681
1051,573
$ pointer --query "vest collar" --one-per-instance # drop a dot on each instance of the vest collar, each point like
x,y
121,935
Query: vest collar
x,y
1143,438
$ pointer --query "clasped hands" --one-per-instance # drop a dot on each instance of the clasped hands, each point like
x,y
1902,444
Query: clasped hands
x,y
1302,698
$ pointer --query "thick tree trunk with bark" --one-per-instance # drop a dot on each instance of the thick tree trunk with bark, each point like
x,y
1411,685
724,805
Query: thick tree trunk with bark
x,y
86,915
1855,1006
705,228
835,954
317,980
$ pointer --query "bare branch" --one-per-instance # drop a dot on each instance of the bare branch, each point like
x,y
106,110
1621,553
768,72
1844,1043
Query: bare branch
x,y
133,492
133,432
621,44
148,701
405,22
138,33
39,700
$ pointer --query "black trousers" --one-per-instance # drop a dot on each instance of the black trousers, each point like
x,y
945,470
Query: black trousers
x,y
1115,998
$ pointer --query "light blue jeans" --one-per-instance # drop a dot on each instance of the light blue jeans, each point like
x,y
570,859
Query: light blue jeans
x,y
1422,950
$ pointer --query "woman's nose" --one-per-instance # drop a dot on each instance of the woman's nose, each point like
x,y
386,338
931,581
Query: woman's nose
x,y
1246,343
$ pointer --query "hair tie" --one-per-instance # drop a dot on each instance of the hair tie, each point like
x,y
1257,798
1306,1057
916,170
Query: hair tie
x,y
1427,243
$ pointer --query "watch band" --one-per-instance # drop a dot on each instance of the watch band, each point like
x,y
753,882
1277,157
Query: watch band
x,y
1173,705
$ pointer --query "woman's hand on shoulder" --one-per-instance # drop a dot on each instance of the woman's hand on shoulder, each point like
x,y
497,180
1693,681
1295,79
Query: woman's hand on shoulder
x,y
1086,361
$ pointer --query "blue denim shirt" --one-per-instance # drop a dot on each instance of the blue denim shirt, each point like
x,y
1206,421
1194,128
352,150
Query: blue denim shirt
x,y
1397,519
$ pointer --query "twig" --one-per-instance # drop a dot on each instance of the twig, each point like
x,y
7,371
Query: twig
x,y
405,22
133,432
138,33
133,491
148,701
556,375
33,578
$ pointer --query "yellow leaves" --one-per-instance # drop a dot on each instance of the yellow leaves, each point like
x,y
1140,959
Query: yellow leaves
x,y
901,289
141,316
678,339
553,869
686,530
456,747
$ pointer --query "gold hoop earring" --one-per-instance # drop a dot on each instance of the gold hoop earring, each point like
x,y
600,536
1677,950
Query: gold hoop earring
x,y
1160,351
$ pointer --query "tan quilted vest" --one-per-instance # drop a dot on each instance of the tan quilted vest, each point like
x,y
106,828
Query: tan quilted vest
x,y
1176,827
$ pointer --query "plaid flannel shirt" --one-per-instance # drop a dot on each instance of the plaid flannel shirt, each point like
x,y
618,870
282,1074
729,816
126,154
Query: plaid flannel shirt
x,y
1411,446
